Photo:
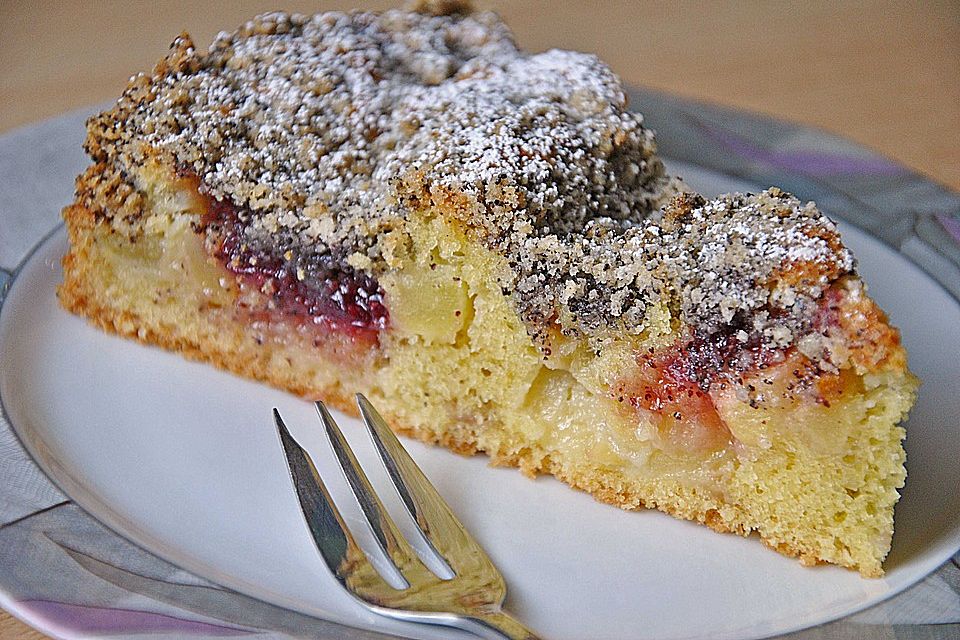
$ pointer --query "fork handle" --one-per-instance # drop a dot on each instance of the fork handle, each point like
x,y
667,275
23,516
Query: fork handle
x,y
496,625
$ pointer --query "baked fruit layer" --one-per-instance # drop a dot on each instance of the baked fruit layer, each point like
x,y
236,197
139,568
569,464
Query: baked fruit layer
x,y
529,284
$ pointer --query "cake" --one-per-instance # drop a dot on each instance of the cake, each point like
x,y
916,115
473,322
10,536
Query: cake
x,y
485,243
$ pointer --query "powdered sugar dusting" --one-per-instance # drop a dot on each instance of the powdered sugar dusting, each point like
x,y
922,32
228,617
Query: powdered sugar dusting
x,y
327,131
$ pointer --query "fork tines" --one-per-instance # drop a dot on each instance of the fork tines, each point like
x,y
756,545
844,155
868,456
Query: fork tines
x,y
471,599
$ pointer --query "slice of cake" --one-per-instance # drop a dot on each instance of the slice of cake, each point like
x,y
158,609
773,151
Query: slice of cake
x,y
485,243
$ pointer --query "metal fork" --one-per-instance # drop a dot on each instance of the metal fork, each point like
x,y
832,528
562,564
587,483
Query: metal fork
x,y
472,600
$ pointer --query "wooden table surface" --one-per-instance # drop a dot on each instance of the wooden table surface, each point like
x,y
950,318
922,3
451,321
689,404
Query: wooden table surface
x,y
886,74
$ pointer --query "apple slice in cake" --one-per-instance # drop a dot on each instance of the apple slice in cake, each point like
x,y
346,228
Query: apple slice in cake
x,y
485,243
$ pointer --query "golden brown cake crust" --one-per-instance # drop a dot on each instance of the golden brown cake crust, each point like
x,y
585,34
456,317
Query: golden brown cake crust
x,y
237,354
77,296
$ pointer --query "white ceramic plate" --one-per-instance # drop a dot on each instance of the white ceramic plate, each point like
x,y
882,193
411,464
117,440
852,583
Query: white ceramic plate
x,y
183,460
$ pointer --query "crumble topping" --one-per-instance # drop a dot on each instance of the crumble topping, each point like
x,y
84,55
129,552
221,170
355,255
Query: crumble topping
x,y
758,262
326,131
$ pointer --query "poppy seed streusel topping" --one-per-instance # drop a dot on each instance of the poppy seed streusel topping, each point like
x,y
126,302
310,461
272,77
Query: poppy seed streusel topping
x,y
325,132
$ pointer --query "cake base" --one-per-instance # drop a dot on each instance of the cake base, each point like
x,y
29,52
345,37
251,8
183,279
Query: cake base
x,y
818,483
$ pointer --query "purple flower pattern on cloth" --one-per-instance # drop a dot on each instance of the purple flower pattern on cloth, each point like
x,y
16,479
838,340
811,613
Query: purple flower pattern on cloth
x,y
809,162
951,224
